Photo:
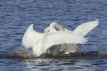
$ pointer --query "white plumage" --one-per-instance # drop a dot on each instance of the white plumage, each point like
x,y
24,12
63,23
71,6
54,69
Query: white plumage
x,y
85,28
81,31
40,42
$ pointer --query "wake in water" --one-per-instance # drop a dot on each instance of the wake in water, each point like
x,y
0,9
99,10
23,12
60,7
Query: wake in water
x,y
24,53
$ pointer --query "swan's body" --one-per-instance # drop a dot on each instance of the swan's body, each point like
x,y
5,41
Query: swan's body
x,y
41,42
81,31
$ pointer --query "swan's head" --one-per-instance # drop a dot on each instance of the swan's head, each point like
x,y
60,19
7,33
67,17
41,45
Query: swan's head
x,y
54,27
57,26
47,30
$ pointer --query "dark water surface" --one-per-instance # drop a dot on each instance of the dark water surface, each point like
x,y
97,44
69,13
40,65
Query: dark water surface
x,y
17,15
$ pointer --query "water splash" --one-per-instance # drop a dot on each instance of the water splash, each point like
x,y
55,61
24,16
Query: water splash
x,y
102,52
102,49
22,53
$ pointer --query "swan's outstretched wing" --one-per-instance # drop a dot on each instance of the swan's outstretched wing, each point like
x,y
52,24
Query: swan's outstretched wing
x,y
61,37
84,28
30,37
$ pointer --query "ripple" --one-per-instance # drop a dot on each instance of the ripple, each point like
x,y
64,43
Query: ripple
x,y
17,15
25,53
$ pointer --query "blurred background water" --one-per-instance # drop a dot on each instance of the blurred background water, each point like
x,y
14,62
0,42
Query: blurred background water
x,y
17,15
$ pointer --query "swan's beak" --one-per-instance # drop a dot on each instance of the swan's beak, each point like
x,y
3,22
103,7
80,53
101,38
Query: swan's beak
x,y
44,32
63,29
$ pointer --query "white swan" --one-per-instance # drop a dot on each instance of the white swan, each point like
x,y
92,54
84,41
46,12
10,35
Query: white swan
x,y
81,31
40,42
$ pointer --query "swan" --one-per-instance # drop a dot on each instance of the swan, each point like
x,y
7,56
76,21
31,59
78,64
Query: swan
x,y
81,31
55,27
40,42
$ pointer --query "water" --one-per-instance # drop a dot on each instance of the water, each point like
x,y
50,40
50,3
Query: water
x,y
16,16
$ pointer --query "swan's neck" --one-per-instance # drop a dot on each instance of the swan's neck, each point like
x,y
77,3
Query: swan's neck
x,y
55,26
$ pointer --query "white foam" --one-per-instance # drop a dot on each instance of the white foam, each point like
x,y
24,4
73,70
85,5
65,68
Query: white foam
x,y
23,53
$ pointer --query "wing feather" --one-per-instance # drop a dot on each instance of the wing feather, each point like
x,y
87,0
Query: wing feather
x,y
61,37
30,37
84,28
